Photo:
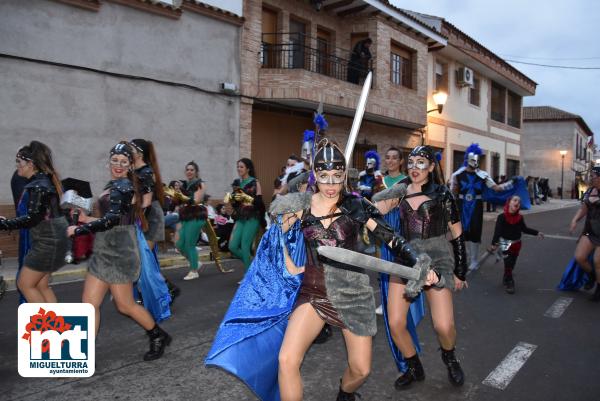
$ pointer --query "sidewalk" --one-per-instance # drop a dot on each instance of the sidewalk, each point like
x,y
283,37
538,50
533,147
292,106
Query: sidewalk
x,y
552,204
76,272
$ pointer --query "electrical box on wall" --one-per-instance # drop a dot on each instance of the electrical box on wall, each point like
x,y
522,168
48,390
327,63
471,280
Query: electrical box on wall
x,y
464,77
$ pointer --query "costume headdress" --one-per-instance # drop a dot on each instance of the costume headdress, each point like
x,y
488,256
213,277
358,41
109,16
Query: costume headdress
x,y
373,157
122,148
472,155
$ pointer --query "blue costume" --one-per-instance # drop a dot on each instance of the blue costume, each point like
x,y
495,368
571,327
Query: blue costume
x,y
248,341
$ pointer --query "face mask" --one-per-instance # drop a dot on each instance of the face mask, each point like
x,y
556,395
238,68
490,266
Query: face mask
x,y
419,165
473,160
323,178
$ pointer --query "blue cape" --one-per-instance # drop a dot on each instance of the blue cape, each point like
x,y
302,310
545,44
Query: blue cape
x,y
250,335
500,198
151,284
574,276
24,239
417,307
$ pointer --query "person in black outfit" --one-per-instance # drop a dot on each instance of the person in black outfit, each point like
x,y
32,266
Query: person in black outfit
x,y
359,61
17,184
115,263
44,220
507,234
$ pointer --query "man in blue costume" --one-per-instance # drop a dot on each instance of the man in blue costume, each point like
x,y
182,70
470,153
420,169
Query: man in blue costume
x,y
370,180
470,185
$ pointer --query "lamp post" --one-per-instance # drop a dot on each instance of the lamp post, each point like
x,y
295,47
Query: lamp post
x,y
439,98
562,172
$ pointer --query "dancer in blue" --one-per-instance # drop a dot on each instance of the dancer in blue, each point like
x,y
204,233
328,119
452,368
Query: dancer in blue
x,y
584,268
428,214
469,184
256,328
370,180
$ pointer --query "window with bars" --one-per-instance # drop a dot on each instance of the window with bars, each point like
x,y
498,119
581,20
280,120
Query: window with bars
x,y
514,110
401,67
498,102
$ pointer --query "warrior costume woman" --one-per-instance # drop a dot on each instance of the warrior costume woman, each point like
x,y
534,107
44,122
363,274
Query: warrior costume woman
x,y
254,326
115,262
41,223
425,228
584,268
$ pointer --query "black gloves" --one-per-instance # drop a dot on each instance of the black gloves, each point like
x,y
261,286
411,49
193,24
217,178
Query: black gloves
x,y
460,257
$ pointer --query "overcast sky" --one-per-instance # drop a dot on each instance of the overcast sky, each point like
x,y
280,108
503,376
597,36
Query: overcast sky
x,y
546,32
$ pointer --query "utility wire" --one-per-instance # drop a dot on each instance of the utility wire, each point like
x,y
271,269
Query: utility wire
x,y
551,58
566,67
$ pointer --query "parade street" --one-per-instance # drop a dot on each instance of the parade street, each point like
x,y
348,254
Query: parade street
x,y
551,336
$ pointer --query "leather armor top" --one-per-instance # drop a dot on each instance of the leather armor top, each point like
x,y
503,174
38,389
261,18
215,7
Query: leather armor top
x,y
43,204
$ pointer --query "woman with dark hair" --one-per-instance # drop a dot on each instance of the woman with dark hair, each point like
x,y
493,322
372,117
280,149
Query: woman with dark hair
x,y
427,213
115,262
192,217
39,211
328,292
147,171
393,162
248,206
148,175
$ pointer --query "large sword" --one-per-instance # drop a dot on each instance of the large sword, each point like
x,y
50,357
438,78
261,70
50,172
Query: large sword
x,y
416,275
358,116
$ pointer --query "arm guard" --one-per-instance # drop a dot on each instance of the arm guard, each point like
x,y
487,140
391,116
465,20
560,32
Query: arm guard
x,y
460,257
450,207
121,195
146,177
36,210
361,210
403,251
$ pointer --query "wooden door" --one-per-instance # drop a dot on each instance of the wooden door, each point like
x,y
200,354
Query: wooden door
x,y
298,44
269,38
323,51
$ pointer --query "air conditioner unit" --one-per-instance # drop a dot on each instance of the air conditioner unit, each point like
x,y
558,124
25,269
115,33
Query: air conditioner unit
x,y
465,77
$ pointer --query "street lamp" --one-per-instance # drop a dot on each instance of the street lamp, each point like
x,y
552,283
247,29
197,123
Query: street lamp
x,y
439,98
562,172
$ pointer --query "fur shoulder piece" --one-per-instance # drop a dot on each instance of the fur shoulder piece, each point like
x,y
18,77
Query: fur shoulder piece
x,y
394,192
290,203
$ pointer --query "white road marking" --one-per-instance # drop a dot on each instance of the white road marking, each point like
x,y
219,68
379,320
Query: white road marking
x,y
558,307
501,377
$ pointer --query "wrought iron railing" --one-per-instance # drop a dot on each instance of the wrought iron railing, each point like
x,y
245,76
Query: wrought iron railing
x,y
293,51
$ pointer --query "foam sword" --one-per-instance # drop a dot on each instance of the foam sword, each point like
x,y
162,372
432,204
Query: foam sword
x,y
416,275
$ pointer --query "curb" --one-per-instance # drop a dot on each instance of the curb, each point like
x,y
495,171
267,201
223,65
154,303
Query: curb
x,y
78,273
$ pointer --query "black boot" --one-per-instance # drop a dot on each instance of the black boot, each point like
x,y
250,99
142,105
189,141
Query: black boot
x,y
596,295
414,372
509,285
455,372
159,339
591,280
344,396
174,291
324,335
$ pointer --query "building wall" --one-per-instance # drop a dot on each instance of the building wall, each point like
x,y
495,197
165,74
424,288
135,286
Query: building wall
x,y
80,114
462,123
542,141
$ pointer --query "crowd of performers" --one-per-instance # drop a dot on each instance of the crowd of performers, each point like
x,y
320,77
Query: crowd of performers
x,y
291,294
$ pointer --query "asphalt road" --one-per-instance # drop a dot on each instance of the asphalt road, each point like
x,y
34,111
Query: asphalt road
x,y
490,323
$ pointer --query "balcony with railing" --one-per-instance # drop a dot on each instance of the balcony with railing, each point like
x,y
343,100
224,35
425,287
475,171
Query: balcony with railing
x,y
295,51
